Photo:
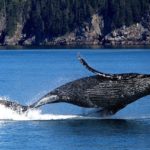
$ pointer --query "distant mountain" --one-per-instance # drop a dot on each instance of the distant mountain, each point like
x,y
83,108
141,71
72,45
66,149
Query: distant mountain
x,y
61,22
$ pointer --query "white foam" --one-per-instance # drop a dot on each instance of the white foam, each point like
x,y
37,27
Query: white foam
x,y
133,117
36,114
9,114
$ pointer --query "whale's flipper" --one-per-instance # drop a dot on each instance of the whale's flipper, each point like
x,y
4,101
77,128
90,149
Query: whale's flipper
x,y
125,76
14,106
85,64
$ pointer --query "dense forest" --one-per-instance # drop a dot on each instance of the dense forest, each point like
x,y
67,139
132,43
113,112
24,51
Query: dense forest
x,y
53,18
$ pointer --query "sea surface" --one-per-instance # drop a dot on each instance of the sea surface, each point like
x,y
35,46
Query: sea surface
x,y
27,75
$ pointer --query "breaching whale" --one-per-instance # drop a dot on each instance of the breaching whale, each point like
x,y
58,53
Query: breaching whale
x,y
108,93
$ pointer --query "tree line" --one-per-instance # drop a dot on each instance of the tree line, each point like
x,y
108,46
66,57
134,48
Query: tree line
x,y
52,18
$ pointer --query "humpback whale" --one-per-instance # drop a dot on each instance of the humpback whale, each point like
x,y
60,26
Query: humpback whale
x,y
108,93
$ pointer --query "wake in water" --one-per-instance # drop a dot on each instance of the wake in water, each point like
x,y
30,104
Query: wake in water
x,y
7,114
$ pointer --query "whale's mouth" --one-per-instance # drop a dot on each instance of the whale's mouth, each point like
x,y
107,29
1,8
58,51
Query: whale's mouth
x,y
14,106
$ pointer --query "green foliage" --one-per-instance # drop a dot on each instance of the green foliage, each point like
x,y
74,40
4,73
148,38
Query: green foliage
x,y
51,18
12,10
123,12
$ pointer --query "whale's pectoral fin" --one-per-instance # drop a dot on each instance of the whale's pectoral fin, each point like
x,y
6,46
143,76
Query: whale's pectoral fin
x,y
14,106
85,64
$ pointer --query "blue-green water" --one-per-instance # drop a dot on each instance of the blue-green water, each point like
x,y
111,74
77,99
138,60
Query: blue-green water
x,y
25,76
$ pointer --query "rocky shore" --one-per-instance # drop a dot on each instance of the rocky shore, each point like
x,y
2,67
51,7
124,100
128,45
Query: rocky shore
x,y
90,33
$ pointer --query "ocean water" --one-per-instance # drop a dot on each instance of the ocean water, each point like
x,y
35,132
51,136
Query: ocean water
x,y
27,75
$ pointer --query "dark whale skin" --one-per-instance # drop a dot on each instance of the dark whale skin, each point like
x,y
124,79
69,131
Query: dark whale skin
x,y
14,106
109,93
98,92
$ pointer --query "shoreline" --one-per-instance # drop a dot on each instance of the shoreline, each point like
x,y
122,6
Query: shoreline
x,y
73,46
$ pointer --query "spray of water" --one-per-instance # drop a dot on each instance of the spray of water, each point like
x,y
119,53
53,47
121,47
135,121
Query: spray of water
x,y
9,114
36,114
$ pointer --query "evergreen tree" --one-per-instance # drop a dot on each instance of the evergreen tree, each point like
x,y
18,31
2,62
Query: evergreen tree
x,y
52,18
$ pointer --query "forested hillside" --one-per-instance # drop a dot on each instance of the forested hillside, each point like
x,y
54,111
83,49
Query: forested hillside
x,y
43,21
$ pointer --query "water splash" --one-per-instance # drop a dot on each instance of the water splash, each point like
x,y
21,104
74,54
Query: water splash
x,y
9,114
36,114
32,114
